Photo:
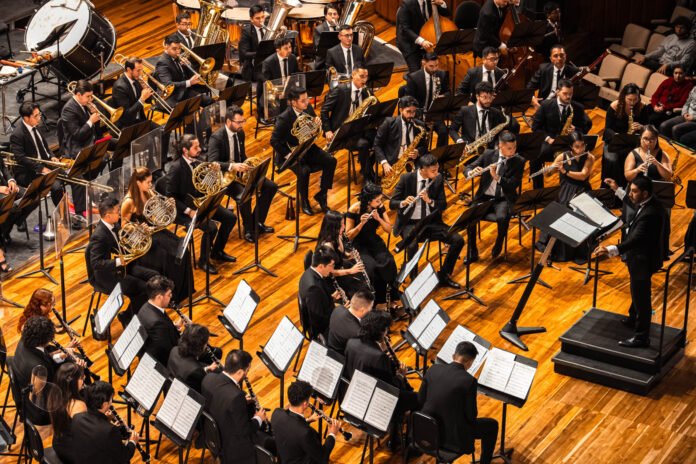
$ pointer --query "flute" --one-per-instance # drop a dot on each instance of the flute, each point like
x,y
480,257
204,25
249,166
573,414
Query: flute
x,y
322,414
208,349
471,176
89,374
143,453
73,337
548,168
266,426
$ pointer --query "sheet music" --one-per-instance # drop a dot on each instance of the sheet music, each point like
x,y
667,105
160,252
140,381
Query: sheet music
x,y
186,419
421,286
573,227
313,360
131,351
430,334
413,262
109,309
420,323
121,349
593,209
176,395
240,309
320,370
358,395
381,409
496,372
458,335
283,344
520,380
146,382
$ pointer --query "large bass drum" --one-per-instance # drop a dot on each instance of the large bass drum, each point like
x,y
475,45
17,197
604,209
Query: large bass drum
x,y
91,39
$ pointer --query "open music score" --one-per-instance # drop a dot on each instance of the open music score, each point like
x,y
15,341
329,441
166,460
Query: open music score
x,y
241,307
420,287
283,344
427,326
370,400
413,262
129,344
146,383
322,369
593,209
462,334
106,314
180,410
508,373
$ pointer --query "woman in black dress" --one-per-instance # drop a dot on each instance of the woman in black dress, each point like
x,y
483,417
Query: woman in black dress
x,y
347,272
65,402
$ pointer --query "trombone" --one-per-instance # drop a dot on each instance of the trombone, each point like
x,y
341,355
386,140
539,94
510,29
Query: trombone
x,y
114,113
207,75
166,90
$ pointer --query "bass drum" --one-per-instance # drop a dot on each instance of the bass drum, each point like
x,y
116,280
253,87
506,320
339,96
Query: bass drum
x,y
90,42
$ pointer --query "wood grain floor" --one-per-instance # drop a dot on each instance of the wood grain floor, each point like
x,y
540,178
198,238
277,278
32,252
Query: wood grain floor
x,y
564,421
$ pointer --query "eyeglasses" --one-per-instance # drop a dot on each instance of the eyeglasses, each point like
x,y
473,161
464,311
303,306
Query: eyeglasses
x,y
492,58
648,139
185,24
237,121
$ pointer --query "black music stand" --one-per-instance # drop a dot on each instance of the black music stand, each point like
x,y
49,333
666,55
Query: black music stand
x,y
128,134
216,51
381,111
415,236
445,108
344,137
231,329
265,49
327,39
237,93
622,144
454,43
514,101
204,214
253,189
587,95
314,82
530,34
6,205
563,142
469,218
182,113
38,189
378,74
448,157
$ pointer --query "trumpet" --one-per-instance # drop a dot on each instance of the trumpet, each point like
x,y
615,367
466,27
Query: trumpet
x,y
114,113
322,414
166,90
67,164
126,431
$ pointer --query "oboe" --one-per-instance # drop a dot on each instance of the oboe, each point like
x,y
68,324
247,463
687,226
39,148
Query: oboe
x,y
89,374
341,292
356,256
126,431
266,426
322,414
73,337
208,349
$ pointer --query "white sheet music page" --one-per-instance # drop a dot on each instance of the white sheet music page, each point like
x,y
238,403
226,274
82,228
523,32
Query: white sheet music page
x,y
497,370
458,335
313,361
421,321
176,395
326,377
240,309
434,329
132,350
520,380
358,395
480,357
145,383
121,345
414,261
109,309
186,419
283,343
381,409
593,209
572,227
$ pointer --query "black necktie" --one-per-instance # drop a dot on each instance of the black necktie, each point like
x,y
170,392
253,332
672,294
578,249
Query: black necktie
x,y
484,117
259,37
235,148
558,78
490,77
349,62
39,144
498,170
429,97
285,67
178,65
422,202
425,9
408,134
356,99
564,113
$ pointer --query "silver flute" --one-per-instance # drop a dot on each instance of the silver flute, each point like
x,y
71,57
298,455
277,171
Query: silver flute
x,y
471,176
550,167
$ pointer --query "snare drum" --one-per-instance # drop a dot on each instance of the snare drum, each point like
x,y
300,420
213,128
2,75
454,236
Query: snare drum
x,y
80,48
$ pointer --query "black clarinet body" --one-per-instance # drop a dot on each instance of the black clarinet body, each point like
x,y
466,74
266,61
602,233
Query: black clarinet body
x,y
126,431
266,426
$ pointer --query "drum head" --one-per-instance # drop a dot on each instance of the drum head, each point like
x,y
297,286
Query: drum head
x,y
53,14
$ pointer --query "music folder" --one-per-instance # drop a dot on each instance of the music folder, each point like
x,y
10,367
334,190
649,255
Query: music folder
x,y
123,352
322,368
179,413
106,314
282,346
462,334
238,312
420,287
426,327
146,384
564,224
369,403
593,209
507,377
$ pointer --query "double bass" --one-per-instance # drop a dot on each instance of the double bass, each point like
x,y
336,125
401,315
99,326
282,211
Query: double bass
x,y
431,31
513,57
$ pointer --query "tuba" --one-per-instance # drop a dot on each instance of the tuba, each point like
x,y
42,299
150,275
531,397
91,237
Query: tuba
x,y
280,12
404,163
208,30
159,211
365,29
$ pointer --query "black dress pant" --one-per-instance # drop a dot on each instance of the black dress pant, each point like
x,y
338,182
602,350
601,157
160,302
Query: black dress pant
x,y
314,160
133,286
545,156
500,213
227,219
367,162
266,194
437,232
641,305
486,430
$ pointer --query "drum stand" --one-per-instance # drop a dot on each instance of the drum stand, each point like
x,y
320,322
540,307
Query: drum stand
x,y
7,126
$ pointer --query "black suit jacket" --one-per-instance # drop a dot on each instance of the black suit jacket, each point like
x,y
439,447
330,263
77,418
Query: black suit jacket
x,y
465,123
185,368
315,295
219,148
76,133
100,441
642,247
473,77
388,140
162,335
22,146
342,327
248,45
337,106
167,72
336,58
323,27
297,442
542,79
488,27
409,21
547,118
369,358
184,39
180,186
510,174
415,85
406,187
282,140
25,359
448,394
270,68
122,96
101,267
5,175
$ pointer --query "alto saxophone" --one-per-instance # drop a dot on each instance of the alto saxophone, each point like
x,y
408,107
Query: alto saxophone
x,y
480,144
404,163
630,121
566,128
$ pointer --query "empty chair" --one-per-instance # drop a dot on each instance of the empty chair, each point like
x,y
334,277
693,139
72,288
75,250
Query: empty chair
x,y
653,83
610,72
425,437
635,39
634,73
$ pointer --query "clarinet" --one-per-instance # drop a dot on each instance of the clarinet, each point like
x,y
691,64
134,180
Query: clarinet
x,y
266,426
208,349
341,292
356,256
73,337
322,414
91,376
126,431
391,354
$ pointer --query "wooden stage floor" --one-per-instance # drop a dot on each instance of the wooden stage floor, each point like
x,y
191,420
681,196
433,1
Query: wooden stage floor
x,y
564,421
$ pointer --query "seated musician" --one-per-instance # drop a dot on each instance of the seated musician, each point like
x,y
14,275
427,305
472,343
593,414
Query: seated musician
x,y
281,64
488,72
345,56
418,194
340,103
490,21
252,35
330,24
474,121
346,271
448,394
396,134
553,117
553,33
499,183
103,261
180,186
226,147
41,303
315,159
184,358
227,402
162,333
99,440
27,144
547,77
183,29
316,293
425,85
64,403
129,94
345,322
410,18
295,439
8,186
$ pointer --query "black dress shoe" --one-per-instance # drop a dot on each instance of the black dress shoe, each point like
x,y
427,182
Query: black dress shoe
x,y
306,208
445,281
207,267
321,199
22,227
249,237
264,229
497,248
628,321
222,256
635,342
471,259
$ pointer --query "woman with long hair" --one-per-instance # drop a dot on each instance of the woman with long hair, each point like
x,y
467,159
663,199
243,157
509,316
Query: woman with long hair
x,y
40,304
64,403
347,272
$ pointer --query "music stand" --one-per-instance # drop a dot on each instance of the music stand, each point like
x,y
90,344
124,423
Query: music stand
x,y
563,142
529,144
622,144
448,157
314,82
327,39
287,334
237,94
128,134
454,43
204,214
381,111
182,113
235,327
378,74
514,101
216,51
530,34
587,95
347,134
265,49
664,192
445,107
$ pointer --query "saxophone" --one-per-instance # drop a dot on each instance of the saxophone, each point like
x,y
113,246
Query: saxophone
x,y
480,144
675,177
630,121
404,163
360,110
566,128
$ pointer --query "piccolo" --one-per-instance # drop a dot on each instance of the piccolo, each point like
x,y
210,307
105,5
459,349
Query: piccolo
x,y
266,427
73,336
128,430
71,357
208,349
550,167
322,414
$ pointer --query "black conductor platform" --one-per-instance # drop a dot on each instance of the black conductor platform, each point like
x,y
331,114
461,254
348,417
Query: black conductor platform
x,y
590,351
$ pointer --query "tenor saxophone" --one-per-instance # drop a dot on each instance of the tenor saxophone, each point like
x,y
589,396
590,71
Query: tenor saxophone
x,y
480,144
403,163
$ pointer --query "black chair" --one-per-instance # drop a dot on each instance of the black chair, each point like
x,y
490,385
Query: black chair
x,y
308,259
98,291
467,14
263,456
33,446
424,435
211,437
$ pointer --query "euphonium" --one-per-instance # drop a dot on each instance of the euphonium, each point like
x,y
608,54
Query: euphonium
x,y
360,110
280,12
159,211
630,121
480,144
404,163
114,113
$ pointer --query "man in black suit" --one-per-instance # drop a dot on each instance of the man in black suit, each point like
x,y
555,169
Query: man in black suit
x,y
7,186
643,253
397,133
330,24
418,194
410,18
226,401
315,159
448,394
339,104
183,29
281,64
185,360
226,147
32,350
345,322
315,292
162,333
252,35
103,270
473,121
551,117
129,94
553,34
99,440
547,77
180,187
498,183
488,72
490,20
345,56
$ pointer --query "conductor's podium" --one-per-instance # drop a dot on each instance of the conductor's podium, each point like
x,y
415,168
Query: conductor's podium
x,y
590,351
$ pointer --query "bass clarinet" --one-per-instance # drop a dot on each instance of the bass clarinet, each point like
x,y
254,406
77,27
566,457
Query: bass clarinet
x,y
266,426
126,431
322,414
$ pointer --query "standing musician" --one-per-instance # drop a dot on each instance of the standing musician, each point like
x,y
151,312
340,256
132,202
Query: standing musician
x,y
345,322
552,117
183,29
180,186
162,333
226,147
553,33
473,121
315,159
396,134
103,267
281,64
252,35
410,18
547,77
184,358
340,103
499,182
296,441
490,21
330,24
226,401
488,72
316,294
345,56
448,394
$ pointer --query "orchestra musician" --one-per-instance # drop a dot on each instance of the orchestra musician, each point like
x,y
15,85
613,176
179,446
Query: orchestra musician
x,y
63,404
252,34
180,186
129,94
548,76
227,148
296,441
410,18
346,271
315,159
34,349
41,303
184,358
330,24
340,103
448,394
490,21
281,64
553,33
501,176
551,117
315,292
183,29
226,401
162,333
345,322
8,185
488,72
345,56
418,194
